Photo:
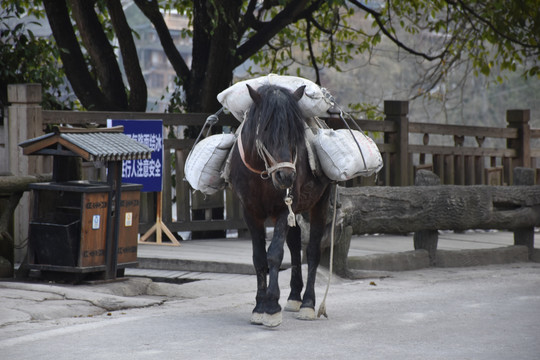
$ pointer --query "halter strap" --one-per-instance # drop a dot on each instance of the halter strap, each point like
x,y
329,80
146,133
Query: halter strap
x,y
243,156
264,154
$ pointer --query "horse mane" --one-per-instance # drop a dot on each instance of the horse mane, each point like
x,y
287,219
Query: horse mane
x,y
276,120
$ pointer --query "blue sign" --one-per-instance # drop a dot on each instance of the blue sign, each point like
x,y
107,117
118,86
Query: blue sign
x,y
147,172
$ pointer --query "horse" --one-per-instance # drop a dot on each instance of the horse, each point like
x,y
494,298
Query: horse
x,y
271,175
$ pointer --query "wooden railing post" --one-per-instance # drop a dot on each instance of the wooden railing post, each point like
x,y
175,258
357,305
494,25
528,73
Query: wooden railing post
x,y
24,122
397,111
519,119
524,236
427,239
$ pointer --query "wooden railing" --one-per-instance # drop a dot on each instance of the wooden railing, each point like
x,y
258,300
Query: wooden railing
x,y
177,193
463,156
3,150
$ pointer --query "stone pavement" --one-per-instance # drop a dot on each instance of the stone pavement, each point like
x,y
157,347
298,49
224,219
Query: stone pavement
x,y
233,255
209,265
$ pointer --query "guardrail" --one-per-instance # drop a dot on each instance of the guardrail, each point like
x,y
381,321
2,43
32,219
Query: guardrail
x,y
454,159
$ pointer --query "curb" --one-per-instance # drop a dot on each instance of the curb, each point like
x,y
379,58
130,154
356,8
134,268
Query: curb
x,y
480,257
195,266
400,261
419,259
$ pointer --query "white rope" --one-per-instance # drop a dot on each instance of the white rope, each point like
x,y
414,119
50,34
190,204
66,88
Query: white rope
x,y
270,163
322,307
211,121
291,219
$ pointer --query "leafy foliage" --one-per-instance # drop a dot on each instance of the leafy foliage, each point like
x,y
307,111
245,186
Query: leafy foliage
x,y
27,58
492,36
314,37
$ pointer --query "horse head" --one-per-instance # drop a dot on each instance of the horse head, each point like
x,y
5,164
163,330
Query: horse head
x,y
276,122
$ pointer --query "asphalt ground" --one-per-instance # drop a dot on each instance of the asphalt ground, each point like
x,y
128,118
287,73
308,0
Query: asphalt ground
x,y
470,312
368,252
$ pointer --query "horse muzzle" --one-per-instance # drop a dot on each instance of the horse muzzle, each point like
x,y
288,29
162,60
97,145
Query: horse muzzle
x,y
283,173
283,178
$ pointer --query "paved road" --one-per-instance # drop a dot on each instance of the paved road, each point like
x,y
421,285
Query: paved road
x,y
234,255
490,312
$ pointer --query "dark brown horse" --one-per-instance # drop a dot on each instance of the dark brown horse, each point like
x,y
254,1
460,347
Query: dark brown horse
x,y
271,175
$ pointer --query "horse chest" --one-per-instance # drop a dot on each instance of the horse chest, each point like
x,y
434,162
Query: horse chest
x,y
308,194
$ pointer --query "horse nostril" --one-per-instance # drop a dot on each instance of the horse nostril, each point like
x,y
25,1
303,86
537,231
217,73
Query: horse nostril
x,y
284,179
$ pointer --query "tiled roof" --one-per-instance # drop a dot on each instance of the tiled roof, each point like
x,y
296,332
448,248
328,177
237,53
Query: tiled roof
x,y
90,144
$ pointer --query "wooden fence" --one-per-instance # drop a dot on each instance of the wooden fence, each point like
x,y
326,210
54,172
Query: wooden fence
x,y
454,159
3,150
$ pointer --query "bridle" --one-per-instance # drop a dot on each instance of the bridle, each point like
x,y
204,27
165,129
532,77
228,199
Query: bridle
x,y
271,166
270,163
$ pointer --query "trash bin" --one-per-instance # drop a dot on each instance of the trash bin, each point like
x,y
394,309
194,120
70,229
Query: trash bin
x,y
69,225
55,239
85,226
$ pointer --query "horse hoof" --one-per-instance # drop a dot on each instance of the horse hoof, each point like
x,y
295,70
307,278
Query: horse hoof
x,y
272,320
306,313
257,318
293,305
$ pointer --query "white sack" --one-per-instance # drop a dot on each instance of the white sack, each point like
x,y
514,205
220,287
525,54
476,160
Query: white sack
x,y
340,156
237,100
205,161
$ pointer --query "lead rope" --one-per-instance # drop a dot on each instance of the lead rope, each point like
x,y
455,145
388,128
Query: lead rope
x,y
342,114
291,219
322,307
210,121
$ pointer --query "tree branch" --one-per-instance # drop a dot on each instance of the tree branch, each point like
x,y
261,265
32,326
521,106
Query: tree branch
x,y
150,9
483,20
292,12
100,50
319,26
312,54
83,84
249,20
137,86
378,19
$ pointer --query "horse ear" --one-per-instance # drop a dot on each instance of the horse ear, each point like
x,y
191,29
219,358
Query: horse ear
x,y
299,92
254,95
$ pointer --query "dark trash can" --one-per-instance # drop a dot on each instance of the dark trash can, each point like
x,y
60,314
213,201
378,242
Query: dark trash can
x,y
55,239
85,227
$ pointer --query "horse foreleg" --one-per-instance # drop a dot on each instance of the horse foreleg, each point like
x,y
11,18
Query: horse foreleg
x,y
294,242
272,309
258,240
313,252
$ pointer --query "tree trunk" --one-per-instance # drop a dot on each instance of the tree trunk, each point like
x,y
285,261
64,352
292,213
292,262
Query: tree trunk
x,y
101,52
215,39
220,43
138,92
151,10
73,61
413,208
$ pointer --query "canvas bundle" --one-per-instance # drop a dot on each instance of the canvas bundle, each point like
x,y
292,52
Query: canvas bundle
x,y
340,155
343,157
205,162
315,101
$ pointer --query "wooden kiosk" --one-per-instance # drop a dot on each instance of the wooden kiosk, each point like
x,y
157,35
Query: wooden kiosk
x,y
85,227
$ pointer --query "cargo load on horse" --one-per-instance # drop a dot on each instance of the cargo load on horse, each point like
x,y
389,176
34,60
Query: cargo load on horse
x,y
280,163
340,154
315,102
